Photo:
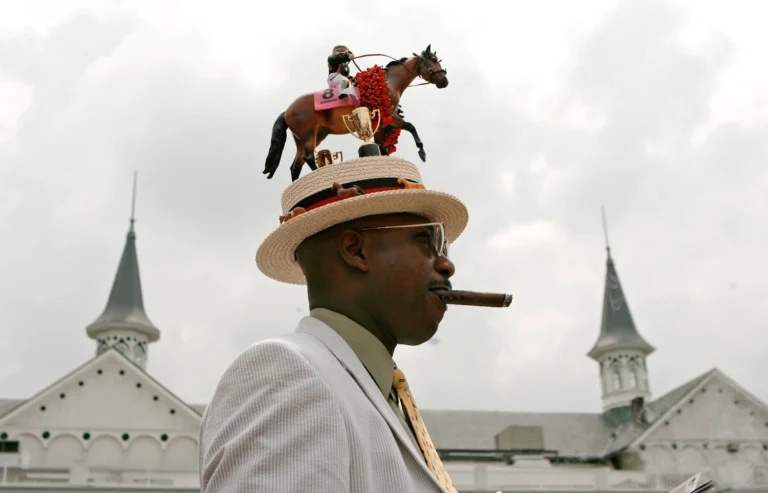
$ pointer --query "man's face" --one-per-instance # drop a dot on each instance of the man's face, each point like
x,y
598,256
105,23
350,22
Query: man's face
x,y
404,270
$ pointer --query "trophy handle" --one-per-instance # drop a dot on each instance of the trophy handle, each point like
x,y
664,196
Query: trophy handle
x,y
338,155
344,118
378,118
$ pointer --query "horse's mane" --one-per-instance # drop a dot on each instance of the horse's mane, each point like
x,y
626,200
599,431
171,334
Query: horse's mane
x,y
396,62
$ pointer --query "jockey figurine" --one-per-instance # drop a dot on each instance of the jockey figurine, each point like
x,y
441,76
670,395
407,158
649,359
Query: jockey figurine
x,y
338,71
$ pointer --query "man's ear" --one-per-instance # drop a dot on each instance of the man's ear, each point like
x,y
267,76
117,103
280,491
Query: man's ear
x,y
353,250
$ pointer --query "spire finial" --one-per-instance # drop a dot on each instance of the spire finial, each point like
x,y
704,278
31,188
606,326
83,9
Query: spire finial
x,y
605,231
133,204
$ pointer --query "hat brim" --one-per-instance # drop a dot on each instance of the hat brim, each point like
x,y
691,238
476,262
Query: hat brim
x,y
275,256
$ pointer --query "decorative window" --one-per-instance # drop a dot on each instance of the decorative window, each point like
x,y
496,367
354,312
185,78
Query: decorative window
x,y
632,377
122,346
616,377
102,346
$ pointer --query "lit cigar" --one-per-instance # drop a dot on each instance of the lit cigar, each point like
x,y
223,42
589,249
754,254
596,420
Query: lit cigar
x,y
471,298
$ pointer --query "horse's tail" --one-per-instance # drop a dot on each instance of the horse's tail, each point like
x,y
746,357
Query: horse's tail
x,y
276,146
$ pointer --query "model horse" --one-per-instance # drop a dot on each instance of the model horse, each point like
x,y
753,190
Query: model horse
x,y
310,127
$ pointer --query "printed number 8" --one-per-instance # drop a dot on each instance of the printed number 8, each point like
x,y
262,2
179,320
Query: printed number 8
x,y
328,94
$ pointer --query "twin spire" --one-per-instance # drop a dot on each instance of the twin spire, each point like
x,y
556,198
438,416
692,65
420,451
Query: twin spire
x,y
620,350
124,324
617,329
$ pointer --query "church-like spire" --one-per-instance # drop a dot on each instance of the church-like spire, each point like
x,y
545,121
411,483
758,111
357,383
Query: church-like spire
x,y
620,349
124,324
617,329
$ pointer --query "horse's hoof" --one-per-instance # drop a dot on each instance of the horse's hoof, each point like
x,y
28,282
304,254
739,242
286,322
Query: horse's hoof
x,y
423,156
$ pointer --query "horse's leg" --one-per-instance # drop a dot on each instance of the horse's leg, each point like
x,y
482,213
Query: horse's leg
x,y
298,161
309,144
322,133
305,151
301,118
408,127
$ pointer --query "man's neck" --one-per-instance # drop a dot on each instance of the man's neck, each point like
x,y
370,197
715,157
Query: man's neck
x,y
361,317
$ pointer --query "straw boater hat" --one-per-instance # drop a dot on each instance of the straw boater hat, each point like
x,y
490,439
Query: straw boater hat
x,y
349,190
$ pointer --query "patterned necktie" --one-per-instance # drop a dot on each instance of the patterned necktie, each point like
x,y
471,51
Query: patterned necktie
x,y
400,384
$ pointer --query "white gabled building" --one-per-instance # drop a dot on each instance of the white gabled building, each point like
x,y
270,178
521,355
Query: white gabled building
x,y
709,424
108,425
107,422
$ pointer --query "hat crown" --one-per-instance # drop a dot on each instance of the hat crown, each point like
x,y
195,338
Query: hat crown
x,y
347,173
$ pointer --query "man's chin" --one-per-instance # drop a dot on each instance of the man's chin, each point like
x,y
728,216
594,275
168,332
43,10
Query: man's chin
x,y
417,341
423,334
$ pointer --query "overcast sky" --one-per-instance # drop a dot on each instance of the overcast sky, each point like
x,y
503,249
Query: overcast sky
x,y
657,110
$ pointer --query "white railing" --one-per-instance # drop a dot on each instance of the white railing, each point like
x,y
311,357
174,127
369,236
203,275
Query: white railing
x,y
100,476
470,477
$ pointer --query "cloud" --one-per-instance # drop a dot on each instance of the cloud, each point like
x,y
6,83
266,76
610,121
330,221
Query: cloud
x,y
524,236
614,107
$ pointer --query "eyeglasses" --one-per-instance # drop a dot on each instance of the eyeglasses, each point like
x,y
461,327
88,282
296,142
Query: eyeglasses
x,y
439,242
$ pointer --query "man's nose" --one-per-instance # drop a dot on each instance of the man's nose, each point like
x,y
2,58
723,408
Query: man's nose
x,y
445,267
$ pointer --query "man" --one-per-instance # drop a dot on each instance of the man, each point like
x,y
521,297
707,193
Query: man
x,y
323,409
338,70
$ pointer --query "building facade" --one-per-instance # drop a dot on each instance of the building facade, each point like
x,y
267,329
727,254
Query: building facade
x,y
109,425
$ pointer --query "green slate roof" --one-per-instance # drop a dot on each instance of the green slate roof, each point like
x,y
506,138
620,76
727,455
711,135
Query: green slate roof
x,y
125,307
617,329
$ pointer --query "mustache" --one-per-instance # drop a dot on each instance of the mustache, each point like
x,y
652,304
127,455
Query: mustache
x,y
440,285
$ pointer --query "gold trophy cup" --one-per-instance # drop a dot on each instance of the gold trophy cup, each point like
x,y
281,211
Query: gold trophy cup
x,y
363,129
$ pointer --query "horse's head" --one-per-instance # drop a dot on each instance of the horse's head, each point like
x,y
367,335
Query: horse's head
x,y
429,68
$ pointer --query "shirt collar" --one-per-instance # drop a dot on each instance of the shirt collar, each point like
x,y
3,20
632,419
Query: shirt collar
x,y
366,346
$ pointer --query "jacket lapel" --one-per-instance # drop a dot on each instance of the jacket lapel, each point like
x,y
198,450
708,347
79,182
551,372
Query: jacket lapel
x,y
355,368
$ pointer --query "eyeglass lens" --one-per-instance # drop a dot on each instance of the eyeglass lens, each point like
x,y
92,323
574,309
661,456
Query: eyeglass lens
x,y
441,246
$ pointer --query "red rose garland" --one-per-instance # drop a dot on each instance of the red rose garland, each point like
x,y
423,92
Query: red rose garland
x,y
374,93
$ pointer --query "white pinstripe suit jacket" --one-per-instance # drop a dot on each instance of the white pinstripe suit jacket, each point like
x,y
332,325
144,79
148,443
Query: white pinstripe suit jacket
x,y
300,413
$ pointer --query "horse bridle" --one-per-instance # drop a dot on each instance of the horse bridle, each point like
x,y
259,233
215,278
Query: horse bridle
x,y
432,72
429,69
